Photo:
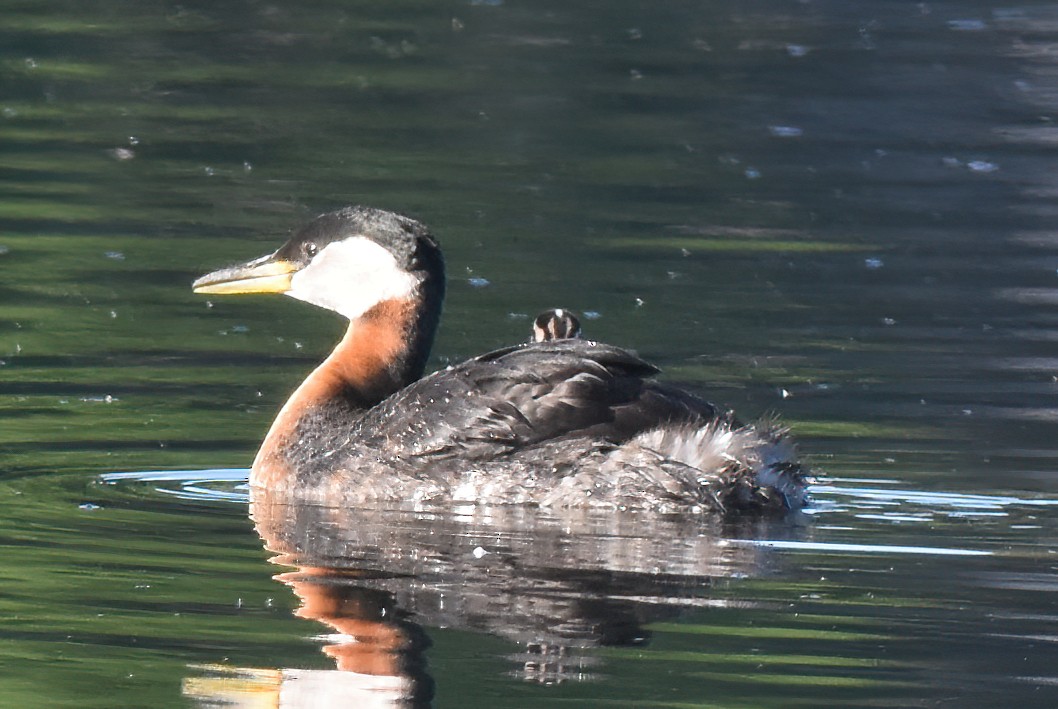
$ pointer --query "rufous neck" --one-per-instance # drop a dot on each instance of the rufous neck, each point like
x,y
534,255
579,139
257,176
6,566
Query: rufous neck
x,y
380,354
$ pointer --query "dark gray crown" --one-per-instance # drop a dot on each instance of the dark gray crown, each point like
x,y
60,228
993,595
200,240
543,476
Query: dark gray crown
x,y
409,241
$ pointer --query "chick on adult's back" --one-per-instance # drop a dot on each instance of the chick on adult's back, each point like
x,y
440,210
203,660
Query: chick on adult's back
x,y
555,324
562,422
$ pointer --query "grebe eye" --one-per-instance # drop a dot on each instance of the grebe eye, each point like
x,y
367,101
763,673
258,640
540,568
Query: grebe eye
x,y
311,249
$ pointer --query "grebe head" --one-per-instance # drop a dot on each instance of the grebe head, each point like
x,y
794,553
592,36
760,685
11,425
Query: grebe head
x,y
381,270
556,324
347,261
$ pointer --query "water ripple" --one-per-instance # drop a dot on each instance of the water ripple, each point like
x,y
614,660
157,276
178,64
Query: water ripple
x,y
215,484
860,548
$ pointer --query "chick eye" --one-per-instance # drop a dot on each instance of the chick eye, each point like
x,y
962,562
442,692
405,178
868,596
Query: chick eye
x,y
310,249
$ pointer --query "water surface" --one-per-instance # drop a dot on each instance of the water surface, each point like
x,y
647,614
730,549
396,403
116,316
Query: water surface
x,y
841,212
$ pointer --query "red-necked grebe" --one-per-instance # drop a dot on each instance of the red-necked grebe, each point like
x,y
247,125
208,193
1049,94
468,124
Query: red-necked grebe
x,y
563,422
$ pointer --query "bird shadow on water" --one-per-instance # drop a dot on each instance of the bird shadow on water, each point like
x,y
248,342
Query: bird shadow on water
x,y
555,583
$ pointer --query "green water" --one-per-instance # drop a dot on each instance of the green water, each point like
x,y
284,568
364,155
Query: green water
x,y
838,211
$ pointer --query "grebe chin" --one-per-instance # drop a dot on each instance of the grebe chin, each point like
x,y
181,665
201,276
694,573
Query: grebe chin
x,y
563,422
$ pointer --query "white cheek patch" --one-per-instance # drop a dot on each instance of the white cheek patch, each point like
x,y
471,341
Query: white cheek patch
x,y
352,276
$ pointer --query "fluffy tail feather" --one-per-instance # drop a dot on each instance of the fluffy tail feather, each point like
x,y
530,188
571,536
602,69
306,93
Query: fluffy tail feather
x,y
738,466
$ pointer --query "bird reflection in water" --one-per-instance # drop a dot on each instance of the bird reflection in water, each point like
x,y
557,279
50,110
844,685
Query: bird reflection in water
x,y
554,583
570,455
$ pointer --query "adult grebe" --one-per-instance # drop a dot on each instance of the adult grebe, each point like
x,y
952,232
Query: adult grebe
x,y
567,422
555,324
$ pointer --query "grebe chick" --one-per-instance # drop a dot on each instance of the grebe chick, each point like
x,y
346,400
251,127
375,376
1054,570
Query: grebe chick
x,y
555,324
567,422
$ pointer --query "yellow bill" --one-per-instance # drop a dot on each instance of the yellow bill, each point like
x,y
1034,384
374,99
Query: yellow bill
x,y
267,274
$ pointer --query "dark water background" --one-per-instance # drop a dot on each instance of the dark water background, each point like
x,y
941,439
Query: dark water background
x,y
839,211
